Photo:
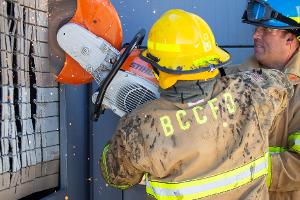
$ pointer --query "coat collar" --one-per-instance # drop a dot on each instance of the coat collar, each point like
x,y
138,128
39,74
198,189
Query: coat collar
x,y
292,69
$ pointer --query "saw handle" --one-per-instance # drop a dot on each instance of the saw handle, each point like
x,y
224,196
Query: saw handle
x,y
135,42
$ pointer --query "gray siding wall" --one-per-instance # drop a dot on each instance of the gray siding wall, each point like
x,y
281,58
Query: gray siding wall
x,y
29,156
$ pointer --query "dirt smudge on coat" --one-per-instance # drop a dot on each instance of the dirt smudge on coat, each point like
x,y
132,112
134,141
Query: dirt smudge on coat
x,y
162,164
173,140
153,143
147,118
152,123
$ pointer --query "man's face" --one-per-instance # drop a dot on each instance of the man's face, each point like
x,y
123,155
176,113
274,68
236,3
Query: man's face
x,y
270,47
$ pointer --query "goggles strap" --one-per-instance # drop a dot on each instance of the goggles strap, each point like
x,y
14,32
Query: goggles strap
x,y
282,18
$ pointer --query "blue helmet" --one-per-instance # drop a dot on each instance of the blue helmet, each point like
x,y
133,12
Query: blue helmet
x,y
277,14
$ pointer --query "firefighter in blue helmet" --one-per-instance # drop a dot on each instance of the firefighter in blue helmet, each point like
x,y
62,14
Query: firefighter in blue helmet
x,y
276,46
207,136
277,32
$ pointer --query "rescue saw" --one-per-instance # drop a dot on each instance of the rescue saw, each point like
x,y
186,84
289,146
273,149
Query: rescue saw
x,y
97,16
125,81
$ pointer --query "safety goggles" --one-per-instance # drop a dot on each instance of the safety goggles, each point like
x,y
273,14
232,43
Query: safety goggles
x,y
259,11
261,30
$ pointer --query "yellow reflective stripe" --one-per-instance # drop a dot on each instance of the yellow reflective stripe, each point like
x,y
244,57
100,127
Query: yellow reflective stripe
x,y
294,142
105,170
274,150
209,179
163,47
269,176
103,160
204,187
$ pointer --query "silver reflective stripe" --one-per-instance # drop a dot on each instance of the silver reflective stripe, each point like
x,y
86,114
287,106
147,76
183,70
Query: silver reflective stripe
x,y
294,142
296,146
211,185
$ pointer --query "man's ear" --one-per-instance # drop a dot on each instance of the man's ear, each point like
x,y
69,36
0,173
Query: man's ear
x,y
290,38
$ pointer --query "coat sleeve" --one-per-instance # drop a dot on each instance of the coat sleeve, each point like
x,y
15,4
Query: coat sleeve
x,y
273,92
276,91
119,159
286,162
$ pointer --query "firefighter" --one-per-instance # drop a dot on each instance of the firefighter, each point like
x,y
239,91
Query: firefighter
x,y
276,46
207,136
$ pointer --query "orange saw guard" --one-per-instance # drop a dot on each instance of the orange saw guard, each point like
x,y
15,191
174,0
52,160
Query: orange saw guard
x,y
100,18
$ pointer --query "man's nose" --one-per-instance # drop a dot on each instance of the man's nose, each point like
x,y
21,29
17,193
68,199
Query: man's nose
x,y
257,33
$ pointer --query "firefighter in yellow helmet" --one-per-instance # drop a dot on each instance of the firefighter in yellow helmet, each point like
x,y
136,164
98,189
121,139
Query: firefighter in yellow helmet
x,y
182,47
207,136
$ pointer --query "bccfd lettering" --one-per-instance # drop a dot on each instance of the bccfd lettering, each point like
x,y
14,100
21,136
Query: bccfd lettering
x,y
196,112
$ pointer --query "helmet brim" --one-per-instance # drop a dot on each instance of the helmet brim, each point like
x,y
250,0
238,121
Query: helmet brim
x,y
222,55
263,24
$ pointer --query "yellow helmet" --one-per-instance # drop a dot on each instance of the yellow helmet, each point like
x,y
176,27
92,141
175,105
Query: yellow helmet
x,y
181,46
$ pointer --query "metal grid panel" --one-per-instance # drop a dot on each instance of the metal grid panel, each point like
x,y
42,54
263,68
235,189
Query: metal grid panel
x,y
29,156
